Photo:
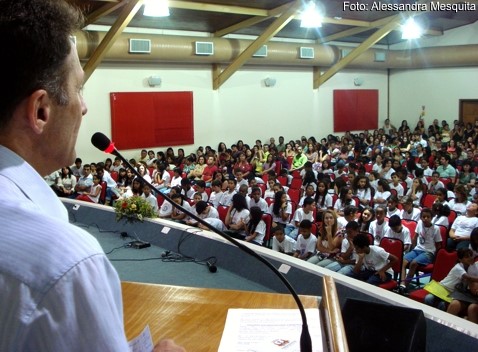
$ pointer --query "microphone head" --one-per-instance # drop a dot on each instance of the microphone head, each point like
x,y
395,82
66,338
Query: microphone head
x,y
100,141
103,143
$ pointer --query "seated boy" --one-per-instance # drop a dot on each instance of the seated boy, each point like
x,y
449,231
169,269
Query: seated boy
x,y
282,243
397,230
304,213
426,242
306,242
409,212
373,262
454,277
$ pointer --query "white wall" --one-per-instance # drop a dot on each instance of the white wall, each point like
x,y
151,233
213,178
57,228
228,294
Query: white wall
x,y
439,89
242,108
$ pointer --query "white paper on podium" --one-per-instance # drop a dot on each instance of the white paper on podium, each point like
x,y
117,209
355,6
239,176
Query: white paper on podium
x,y
143,342
265,330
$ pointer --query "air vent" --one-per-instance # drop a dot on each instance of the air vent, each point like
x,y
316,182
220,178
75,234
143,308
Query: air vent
x,y
345,52
139,46
262,52
306,53
380,56
204,48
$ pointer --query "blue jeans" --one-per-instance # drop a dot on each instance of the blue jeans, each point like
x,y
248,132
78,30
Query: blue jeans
x,y
434,301
371,277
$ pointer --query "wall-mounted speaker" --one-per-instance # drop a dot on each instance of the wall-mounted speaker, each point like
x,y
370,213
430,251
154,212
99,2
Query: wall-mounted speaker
x,y
270,82
154,81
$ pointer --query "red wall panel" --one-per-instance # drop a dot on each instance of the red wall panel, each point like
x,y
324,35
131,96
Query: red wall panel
x,y
355,110
145,119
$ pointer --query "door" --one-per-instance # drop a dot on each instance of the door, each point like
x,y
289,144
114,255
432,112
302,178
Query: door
x,y
468,111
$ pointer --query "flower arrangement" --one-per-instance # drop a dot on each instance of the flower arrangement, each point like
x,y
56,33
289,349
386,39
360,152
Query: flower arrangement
x,y
133,208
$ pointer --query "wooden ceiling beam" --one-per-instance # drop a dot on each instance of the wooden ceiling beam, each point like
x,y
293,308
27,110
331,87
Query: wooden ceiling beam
x,y
124,18
374,38
220,77
104,10
251,21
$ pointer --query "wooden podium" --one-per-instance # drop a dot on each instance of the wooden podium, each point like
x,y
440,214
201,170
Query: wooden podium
x,y
195,317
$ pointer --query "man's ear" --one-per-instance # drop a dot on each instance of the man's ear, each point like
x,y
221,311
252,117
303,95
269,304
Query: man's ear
x,y
39,106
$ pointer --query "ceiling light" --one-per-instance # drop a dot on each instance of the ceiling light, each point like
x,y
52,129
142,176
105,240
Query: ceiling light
x,y
311,17
156,8
411,30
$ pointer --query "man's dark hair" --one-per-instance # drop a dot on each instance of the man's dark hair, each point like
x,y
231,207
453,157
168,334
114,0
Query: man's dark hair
x,y
37,35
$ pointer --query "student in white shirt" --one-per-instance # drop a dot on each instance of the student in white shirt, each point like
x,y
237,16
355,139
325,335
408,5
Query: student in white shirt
x,y
304,213
306,242
382,194
397,230
426,242
440,214
409,212
373,263
378,228
256,227
282,243
152,200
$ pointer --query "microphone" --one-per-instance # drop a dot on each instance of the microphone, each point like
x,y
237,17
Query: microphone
x,y
103,143
211,265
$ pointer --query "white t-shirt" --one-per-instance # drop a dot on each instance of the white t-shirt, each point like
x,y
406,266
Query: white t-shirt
x,y
278,218
427,237
442,220
376,259
327,202
286,246
300,215
383,195
459,208
378,231
414,215
236,216
261,232
305,245
403,235
454,277
215,198
463,225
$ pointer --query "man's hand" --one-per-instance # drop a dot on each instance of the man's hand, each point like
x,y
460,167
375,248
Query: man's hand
x,y
168,345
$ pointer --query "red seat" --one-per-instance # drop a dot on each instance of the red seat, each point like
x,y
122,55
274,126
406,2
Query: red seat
x,y
269,200
296,174
451,217
114,175
444,262
282,180
296,183
262,186
222,210
428,200
411,225
102,198
294,195
393,246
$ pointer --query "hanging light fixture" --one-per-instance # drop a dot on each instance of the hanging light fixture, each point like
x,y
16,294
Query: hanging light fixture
x,y
311,17
156,8
411,30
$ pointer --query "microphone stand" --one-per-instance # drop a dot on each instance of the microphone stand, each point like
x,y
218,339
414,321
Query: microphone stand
x,y
305,339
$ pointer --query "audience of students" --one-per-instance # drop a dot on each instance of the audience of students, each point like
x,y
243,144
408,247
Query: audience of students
x,y
352,185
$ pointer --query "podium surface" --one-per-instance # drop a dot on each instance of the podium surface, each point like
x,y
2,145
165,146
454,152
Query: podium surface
x,y
193,317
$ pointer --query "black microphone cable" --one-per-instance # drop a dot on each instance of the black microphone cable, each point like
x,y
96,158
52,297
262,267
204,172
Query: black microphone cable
x,y
103,143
